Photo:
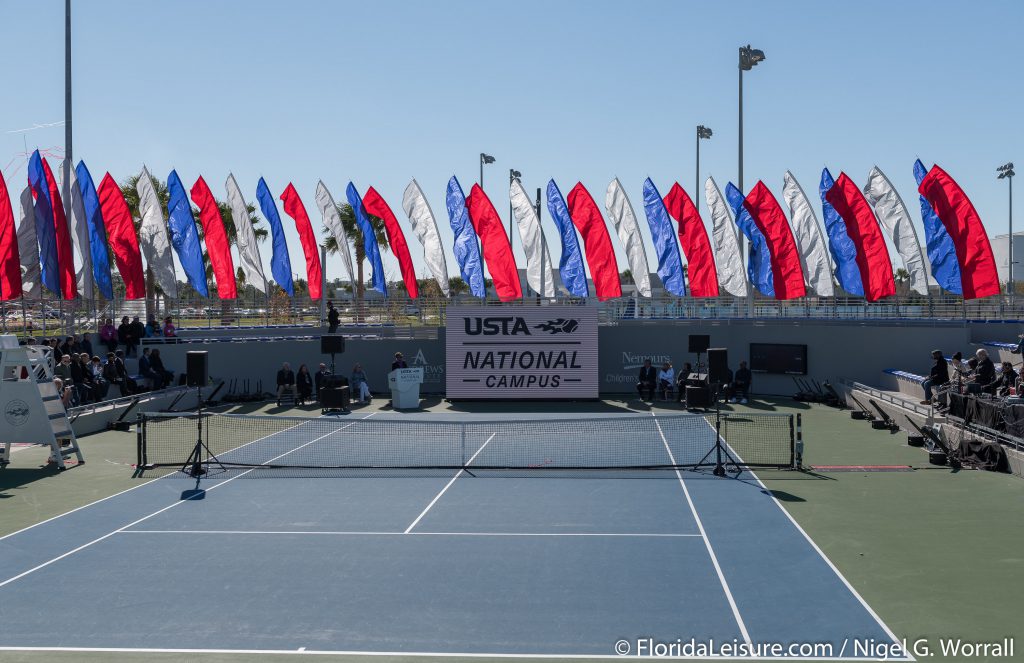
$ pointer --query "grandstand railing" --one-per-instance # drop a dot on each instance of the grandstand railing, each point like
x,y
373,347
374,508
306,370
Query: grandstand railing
x,y
49,316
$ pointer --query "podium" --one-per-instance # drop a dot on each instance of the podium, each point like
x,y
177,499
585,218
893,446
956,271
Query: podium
x,y
405,387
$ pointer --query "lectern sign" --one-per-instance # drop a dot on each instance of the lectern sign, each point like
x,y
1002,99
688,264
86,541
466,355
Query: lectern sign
x,y
514,353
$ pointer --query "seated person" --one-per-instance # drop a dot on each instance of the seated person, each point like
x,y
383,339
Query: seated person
x,y
681,381
169,328
666,379
359,385
647,380
318,378
146,369
985,376
166,376
99,381
66,393
304,383
1006,381
741,384
938,376
285,381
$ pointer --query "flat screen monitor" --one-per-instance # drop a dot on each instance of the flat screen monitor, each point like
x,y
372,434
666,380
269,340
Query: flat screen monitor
x,y
779,358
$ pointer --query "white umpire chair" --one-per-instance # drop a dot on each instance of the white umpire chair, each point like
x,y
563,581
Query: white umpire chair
x,y
31,410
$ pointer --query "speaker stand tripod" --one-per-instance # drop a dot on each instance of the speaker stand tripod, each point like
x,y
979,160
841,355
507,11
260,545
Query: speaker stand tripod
x,y
719,449
194,463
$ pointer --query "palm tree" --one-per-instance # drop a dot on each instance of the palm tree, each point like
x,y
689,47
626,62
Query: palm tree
x,y
352,229
902,277
456,286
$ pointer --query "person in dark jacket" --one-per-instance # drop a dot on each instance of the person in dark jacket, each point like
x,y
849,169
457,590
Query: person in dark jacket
x,y
285,381
146,369
399,362
985,376
78,371
166,376
647,380
126,337
332,318
115,373
304,383
318,379
1007,380
741,384
938,376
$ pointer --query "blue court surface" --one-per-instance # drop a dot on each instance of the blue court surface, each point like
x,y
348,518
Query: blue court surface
x,y
434,563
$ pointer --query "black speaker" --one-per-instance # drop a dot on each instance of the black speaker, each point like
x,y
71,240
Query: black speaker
x,y
197,368
718,365
699,343
698,396
333,344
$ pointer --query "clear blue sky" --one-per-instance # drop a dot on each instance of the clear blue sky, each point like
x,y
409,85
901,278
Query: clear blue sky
x,y
379,92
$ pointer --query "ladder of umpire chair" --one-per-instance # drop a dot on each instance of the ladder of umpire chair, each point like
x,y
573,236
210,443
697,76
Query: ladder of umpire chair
x,y
32,409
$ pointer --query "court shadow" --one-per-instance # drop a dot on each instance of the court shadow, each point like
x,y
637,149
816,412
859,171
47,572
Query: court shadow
x,y
12,478
193,494
783,496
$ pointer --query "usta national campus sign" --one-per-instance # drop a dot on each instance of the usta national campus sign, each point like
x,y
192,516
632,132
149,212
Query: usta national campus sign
x,y
537,353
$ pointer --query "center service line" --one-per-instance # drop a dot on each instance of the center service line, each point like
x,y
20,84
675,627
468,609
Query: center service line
x,y
448,485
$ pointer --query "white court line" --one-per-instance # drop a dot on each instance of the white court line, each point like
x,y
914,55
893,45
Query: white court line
x,y
707,542
145,483
171,506
448,485
421,533
302,651
814,545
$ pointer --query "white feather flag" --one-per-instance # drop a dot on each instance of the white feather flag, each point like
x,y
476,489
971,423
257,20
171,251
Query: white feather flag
x,y
425,226
245,238
80,235
28,248
732,276
153,238
810,240
621,212
329,210
893,216
538,260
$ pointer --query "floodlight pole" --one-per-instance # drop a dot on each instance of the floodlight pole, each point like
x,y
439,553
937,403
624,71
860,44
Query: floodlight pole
x,y
1006,172
66,184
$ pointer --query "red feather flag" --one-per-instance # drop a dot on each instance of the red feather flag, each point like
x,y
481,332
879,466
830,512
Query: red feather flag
x,y
693,238
10,260
377,206
497,249
216,239
121,233
863,229
294,208
787,274
597,244
973,250
65,259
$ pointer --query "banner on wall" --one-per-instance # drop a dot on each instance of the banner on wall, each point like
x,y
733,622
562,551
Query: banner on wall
x,y
542,354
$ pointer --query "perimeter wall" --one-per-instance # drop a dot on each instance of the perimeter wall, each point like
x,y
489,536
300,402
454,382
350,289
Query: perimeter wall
x,y
839,349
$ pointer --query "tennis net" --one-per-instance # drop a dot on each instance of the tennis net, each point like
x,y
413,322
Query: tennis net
x,y
604,443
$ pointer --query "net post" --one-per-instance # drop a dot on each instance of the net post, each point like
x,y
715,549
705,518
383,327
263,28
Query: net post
x,y
798,443
140,454
462,441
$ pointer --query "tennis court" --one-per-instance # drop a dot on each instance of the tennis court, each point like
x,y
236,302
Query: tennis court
x,y
441,535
